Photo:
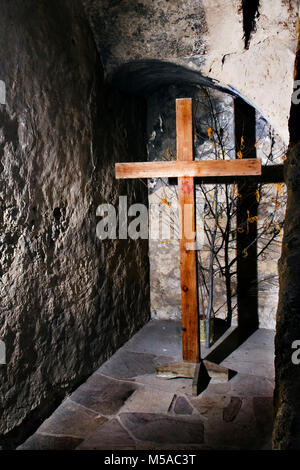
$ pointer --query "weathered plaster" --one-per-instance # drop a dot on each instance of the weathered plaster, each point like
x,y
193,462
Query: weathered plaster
x,y
208,38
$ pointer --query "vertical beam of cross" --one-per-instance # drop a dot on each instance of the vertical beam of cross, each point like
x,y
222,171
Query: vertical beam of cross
x,y
188,267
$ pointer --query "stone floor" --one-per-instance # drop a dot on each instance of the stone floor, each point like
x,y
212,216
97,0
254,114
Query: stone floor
x,y
123,405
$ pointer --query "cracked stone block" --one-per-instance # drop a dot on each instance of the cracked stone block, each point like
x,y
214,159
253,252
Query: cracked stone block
x,y
73,420
164,429
232,410
147,400
103,394
110,436
182,407
126,364
45,442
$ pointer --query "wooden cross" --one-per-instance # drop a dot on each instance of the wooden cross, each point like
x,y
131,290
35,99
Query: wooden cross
x,y
186,169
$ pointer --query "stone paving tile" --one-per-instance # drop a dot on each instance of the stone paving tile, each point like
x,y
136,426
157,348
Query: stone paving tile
x,y
263,412
242,385
232,410
242,433
251,429
182,407
45,442
110,436
180,386
210,406
163,429
250,385
248,368
261,337
71,419
162,338
103,394
218,388
252,362
127,364
207,351
255,356
147,400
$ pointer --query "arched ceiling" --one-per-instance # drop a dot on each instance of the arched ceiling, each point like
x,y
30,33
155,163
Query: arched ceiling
x,y
142,42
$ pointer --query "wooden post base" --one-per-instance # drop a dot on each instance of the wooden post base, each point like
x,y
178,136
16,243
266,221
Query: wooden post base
x,y
201,373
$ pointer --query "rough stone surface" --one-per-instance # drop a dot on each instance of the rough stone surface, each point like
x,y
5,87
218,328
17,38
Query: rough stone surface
x,y
129,31
68,300
201,41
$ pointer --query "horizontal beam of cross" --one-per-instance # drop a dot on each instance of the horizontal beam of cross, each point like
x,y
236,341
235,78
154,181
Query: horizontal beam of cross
x,y
270,174
176,168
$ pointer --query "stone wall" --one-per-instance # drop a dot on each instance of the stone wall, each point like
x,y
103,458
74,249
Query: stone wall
x,y
68,300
